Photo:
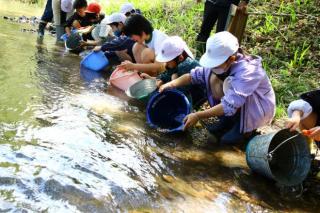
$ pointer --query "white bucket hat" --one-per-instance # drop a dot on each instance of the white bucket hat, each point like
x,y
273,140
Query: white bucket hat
x,y
218,49
171,48
66,6
126,7
116,17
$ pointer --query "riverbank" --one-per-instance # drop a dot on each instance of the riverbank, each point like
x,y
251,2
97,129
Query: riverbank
x,y
58,154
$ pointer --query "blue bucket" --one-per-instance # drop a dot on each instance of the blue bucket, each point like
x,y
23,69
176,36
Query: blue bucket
x,y
167,110
64,37
89,75
95,61
283,156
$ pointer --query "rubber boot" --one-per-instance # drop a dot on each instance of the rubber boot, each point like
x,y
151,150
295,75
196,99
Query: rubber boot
x,y
42,26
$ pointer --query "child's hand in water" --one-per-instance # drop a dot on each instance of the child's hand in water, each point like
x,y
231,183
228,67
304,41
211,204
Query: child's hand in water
x,y
315,133
190,120
166,86
127,65
145,76
97,48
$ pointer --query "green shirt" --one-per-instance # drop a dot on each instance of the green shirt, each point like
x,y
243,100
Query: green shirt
x,y
184,67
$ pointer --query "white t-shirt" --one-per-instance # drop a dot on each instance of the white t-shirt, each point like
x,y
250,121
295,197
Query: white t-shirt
x,y
102,30
157,38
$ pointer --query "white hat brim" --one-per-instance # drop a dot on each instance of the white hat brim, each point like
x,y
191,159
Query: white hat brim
x,y
162,59
206,61
188,51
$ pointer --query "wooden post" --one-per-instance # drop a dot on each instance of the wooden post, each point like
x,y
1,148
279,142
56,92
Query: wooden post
x,y
237,22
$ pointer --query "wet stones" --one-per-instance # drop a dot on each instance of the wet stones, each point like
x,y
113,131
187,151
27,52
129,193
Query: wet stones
x,y
9,181
84,201
168,178
23,19
131,198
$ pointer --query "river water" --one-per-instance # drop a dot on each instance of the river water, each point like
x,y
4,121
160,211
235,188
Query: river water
x,y
69,142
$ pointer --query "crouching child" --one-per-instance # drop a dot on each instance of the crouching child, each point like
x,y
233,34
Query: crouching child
x,y
178,60
304,114
238,90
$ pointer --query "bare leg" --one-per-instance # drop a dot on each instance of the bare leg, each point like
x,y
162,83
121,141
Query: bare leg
x,y
137,52
216,86
147,57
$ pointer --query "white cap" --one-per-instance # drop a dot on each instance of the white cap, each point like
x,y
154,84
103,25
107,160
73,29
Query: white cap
x,y
126,7
66,6
172,47
116,17
218,49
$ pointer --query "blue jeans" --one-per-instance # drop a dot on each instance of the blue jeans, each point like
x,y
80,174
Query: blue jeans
x,y
227,129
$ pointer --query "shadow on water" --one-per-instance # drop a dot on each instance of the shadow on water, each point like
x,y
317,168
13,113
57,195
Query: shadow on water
x,y
71,142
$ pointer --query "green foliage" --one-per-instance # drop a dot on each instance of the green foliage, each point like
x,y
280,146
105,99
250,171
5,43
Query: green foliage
x,y
299,56
39,2
288,44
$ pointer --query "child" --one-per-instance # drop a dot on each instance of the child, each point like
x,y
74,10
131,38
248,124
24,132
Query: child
x,y
120,48
147,46
305,114
128,9
179,60
57,10
238,89
84,17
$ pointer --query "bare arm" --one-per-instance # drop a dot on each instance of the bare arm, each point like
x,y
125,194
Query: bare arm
x,y
293,123
86,30
214,111
191,119
151,68
181,81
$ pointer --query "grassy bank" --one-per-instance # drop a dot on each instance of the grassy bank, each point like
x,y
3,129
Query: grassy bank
x,y
284,33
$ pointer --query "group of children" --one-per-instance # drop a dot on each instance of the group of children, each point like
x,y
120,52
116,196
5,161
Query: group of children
x,y
234,83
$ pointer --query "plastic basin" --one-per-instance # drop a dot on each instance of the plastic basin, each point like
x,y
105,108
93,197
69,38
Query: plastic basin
x,y
64,37
142,89
95,61
123,79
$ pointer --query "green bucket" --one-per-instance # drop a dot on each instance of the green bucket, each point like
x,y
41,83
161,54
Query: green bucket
x,y
142,90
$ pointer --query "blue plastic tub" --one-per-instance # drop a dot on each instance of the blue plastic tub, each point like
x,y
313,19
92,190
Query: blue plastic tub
x,y
167,110
89,75
64,37
95,61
